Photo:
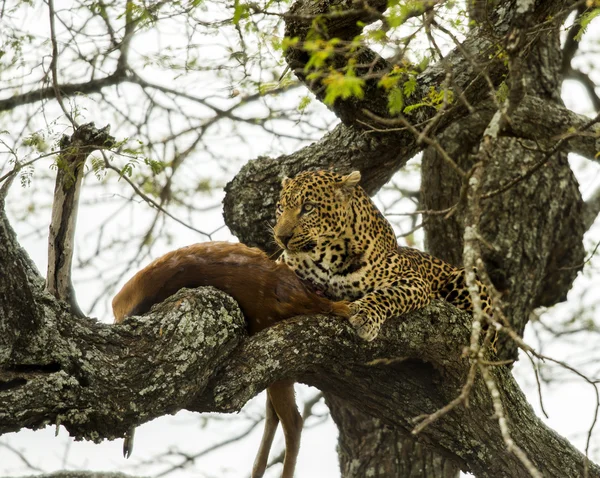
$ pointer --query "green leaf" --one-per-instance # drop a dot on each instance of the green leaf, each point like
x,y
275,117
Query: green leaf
x,y
399,12
240,11
304,102
411,108
288,42
410,86
395,101
378,35
423,63
204,185
585,21
342,86
264,88
502,92
127,170
320,52
36,141
155,166
389,80
25,175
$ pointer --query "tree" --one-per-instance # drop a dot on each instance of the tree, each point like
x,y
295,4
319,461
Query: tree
x,y
497,193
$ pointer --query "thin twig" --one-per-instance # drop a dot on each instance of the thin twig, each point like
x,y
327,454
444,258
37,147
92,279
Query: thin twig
x,y
424,212
18,165
427,420
22,457
547,156
192,457
431,142
537,380
579,266
54,65
149,200
503,423
594,384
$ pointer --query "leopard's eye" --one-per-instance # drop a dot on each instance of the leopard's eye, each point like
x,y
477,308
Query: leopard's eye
x,y
307,207
279,209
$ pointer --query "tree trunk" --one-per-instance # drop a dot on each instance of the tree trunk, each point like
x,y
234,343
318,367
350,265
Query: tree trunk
x,y
383,451
192,353
542,215
533,231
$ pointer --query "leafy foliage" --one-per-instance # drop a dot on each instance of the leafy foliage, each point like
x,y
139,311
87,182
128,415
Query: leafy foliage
x,y
585,21
401,84
343,86
435,99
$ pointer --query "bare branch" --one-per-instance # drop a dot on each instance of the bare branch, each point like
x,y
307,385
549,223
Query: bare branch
x,y
587,82
70,165
21,457
54,65
592,209
67,89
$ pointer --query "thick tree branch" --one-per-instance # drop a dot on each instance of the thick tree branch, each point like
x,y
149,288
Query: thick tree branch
x,y
418,363
21,310
582,135
384,451
143,370
473,65
190,353
83,474
379,153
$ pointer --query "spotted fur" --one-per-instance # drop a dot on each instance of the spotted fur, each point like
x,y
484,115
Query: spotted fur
x,y
333,236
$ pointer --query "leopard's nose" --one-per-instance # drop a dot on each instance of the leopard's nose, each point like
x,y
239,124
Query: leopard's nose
x,y
284,239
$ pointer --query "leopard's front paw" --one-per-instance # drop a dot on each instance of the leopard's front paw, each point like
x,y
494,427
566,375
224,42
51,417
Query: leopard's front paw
x,y
367,327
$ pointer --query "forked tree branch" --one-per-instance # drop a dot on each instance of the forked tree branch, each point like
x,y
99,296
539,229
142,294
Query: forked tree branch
x,y
191,352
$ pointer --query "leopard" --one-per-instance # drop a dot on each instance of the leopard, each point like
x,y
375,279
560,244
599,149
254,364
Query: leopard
x,y
333,236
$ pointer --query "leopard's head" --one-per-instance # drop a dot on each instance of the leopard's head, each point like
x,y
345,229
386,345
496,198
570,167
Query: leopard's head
x,y
312,208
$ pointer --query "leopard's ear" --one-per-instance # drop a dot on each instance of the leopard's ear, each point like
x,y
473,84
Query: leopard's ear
x,y
349,182
285,181
351,179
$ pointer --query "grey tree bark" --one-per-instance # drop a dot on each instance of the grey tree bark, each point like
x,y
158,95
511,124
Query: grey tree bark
x,y
535,228
192,352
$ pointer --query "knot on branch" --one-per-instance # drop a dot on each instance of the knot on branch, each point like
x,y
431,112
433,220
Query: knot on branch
x,y
85,139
